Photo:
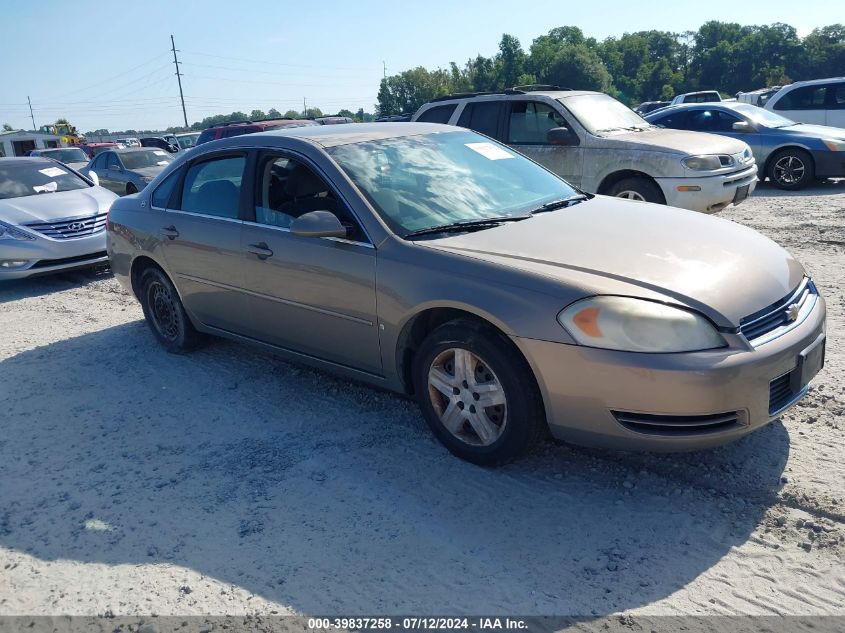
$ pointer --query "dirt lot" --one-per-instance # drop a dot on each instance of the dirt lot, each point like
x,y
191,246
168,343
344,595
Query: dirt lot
x,y
136,482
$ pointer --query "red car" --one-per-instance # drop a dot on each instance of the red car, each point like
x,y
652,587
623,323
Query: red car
x,y
236,128
92,149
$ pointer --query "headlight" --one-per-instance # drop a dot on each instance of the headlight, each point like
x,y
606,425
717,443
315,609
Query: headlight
x,y
147,178
708,162
637,325
8,232
834,145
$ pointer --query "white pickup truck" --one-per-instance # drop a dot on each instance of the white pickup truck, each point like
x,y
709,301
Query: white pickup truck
x,y
602,146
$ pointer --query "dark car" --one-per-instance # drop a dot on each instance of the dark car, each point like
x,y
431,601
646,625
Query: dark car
x,y
92,149
650,106
237,128
159,142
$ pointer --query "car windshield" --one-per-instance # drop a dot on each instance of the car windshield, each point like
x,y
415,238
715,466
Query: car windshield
x,y
763,117
601,114
151,158
18,180
430,180
187,140
69,155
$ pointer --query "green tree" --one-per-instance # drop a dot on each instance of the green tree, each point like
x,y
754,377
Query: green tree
x,y
7,127
578,67
511,61
292,114
257,115
272,113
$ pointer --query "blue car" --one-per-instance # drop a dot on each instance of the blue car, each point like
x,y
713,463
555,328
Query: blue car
x,y
792,155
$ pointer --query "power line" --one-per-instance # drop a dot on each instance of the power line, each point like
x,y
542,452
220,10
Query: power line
x,y
275,63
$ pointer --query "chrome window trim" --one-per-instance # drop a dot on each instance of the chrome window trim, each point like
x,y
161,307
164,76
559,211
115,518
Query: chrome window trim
x,y
204,215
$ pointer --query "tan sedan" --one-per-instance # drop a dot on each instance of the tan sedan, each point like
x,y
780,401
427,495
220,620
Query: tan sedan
x,y
435,262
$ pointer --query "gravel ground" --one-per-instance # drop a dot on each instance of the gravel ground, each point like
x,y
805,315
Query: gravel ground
x,y
134,482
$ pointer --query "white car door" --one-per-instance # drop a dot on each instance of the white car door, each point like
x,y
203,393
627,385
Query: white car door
x,y
805,104
835,113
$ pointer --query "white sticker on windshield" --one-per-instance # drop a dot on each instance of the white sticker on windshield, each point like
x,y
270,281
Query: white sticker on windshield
x,y
158,152
52,172
488,150
161,162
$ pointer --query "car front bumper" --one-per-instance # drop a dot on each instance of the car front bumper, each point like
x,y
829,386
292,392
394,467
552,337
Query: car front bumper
x,y
46,255
829,164
714,192
586,390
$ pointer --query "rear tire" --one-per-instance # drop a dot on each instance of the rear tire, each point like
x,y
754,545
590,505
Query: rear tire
x,y
637,188
165,314
461,366
791,169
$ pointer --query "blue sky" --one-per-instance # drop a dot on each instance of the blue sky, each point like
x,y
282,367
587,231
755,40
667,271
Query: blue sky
x,y
117,72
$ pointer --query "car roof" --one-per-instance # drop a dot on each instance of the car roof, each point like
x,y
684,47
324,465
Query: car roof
x,y
333,135
16,160
812,82
131,150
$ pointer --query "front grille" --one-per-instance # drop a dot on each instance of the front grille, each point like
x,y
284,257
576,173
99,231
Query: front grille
x,y
781,393
79,259
678,425
784,313
71,228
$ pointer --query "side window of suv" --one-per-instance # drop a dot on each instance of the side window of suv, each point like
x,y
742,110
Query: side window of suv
x,y
530,122
482,116
806,98
213,187
288,188
438,114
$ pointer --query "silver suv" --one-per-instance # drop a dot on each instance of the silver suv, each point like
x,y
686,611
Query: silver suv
x,y
601,146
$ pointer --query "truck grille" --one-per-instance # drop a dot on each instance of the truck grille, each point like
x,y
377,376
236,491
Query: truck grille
x,y
71,228
678,425
781,316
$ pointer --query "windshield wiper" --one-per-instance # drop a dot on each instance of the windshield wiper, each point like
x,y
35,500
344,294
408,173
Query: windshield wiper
x,y
560,204
467,225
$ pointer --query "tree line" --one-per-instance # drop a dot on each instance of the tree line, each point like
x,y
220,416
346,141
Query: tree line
x,y
636,67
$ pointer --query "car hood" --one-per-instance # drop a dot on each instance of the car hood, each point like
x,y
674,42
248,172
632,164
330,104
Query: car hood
x,y
77,165
718,267
54,206
818,131
150,172
680,141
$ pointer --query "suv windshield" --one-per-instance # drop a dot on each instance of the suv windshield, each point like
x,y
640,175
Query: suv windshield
x,y
187,140
431,180
151,158
18,180
70,155
601,114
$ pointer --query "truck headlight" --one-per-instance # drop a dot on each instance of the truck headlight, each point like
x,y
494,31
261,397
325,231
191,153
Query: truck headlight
x,y
708,162
637,325
8,232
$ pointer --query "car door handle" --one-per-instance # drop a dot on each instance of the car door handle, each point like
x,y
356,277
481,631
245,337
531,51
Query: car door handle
x,y
169,232
261,250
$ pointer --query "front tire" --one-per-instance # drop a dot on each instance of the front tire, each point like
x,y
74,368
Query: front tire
x,y
637,188
478,394
791,169
165,313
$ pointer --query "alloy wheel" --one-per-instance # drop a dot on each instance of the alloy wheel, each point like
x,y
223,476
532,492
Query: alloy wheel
x,y
631,195
467,396
789,170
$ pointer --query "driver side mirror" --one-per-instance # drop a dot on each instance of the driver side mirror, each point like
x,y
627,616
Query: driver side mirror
x,y
742,126
318,224
560,136
93,177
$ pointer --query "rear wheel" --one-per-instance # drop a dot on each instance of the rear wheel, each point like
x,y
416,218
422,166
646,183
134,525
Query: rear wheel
x,y
637,188
165,314
477,393
791,169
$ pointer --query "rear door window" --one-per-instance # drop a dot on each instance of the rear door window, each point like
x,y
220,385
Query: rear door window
x,y
438,114
213,187
112,161
711,121
675,121
483,117
806,98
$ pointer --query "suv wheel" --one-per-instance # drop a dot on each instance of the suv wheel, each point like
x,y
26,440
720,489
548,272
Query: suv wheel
x,y
477,394
165,314
791,169
637,188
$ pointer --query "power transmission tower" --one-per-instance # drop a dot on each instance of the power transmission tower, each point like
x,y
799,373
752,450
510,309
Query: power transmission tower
x,y
34,129
179,79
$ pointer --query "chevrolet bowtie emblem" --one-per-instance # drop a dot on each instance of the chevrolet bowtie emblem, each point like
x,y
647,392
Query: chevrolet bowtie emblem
x,y
792,311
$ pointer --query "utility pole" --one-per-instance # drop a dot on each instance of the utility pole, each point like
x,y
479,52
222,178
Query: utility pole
x,y
384,66
34,129
304,109
179,79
